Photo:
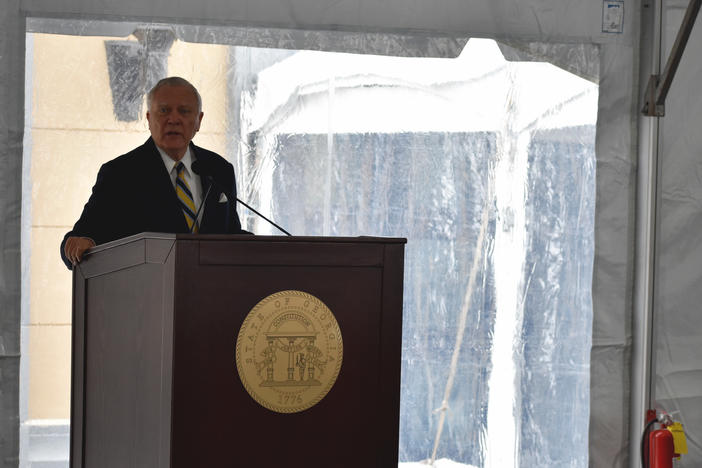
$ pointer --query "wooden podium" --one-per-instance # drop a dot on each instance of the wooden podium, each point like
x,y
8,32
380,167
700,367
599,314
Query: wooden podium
x,y
155,324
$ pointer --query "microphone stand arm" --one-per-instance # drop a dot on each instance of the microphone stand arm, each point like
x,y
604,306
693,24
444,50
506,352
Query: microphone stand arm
x,y
250,208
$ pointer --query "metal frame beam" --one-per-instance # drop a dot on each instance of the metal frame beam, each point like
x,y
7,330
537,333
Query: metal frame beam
x,y
659,85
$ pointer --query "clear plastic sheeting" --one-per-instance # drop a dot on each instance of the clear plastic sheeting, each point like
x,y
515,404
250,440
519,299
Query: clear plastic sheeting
x,y
488,168
403,45
579,59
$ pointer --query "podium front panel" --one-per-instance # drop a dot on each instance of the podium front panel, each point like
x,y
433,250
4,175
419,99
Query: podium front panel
x,y
215,419
155,381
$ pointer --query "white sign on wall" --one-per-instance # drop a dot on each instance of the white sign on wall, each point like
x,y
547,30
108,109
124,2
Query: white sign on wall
x,y
613,16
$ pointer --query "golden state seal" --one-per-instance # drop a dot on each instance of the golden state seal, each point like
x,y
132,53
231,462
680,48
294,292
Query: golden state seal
x,y
289,351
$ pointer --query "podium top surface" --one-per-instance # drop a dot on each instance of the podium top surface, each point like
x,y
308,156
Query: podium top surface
x,y
246,238
217,249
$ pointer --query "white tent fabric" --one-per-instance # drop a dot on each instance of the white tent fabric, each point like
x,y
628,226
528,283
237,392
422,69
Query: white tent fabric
x,y
677,388
543,21
536,20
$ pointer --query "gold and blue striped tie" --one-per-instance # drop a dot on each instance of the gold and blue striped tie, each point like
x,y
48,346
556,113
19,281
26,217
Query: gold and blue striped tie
x,y
185,196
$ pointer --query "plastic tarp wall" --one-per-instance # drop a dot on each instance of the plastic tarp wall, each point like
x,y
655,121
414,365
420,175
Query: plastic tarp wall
x,y
557,21
498,209
677,387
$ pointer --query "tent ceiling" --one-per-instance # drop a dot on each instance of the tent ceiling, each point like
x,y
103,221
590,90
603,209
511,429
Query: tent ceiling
x,y
551,20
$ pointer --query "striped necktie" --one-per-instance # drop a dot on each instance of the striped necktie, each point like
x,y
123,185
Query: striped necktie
x,y
185,196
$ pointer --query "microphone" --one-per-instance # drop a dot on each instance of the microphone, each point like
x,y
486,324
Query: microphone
x,y
202,168
202,203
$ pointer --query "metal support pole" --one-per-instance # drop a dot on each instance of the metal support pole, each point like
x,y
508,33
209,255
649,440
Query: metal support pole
x,y
642,359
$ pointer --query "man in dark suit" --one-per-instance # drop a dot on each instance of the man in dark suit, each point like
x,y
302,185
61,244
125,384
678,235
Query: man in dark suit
x,y
148,190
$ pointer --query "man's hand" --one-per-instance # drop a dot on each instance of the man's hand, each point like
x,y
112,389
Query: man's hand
x,y
75,246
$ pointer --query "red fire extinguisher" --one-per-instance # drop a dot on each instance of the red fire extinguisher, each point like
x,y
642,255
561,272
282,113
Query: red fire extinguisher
x,y
661,449
662,442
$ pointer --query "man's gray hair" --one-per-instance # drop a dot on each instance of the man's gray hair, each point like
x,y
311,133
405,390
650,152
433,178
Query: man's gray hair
x,y
173,81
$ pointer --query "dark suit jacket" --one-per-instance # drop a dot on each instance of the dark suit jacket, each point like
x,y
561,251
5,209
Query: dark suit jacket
x,y
133,193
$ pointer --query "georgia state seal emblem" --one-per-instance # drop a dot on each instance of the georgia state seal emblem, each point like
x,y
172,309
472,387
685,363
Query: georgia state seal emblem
x,y
289,351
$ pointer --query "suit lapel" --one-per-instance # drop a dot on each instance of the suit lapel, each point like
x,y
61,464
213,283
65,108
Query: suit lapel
x,y
208,192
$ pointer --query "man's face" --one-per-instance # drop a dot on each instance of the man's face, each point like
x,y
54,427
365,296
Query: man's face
x,y
173,119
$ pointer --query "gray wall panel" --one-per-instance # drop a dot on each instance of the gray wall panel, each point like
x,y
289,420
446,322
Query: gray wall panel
x,y
11,130
614,256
